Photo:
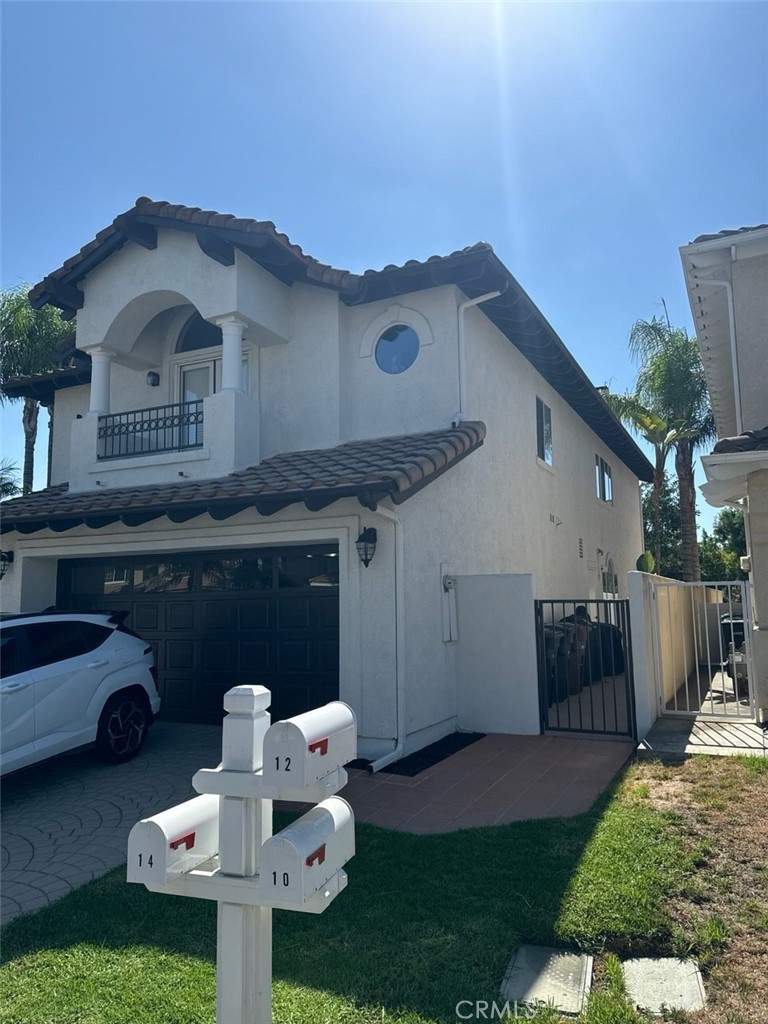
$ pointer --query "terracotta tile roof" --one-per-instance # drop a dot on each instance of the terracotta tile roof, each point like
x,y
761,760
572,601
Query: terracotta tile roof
x,y
726,233
43,385
240,230
749,441
394,467
476,270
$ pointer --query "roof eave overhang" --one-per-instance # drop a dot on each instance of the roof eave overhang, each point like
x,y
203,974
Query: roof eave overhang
x,y
265,505
44,387
707,273
63,292
727,475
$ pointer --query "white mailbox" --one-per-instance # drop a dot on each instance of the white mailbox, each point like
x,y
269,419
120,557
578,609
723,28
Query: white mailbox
x,y
300,860
174,842
304,749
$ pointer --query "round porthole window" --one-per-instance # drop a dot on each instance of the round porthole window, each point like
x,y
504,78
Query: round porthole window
x,y
396,348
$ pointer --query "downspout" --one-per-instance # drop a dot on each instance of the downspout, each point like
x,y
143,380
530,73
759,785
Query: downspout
x,y
459,416
734,360
397,753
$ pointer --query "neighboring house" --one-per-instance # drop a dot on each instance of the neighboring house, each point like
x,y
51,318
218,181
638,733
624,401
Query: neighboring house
x,y
251,417
727,279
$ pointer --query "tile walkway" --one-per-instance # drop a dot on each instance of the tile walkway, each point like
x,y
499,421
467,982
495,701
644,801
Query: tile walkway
x,y
67,821
498,780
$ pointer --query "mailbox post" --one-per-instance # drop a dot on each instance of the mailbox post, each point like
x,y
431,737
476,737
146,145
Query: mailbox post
x,y
220,845
244,942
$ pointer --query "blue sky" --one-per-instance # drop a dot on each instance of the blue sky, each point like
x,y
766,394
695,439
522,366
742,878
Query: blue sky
x,y
586,142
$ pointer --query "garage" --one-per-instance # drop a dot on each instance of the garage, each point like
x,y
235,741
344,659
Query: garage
x,y
267,616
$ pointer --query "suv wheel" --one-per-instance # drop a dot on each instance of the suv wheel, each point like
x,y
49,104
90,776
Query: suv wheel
x,y
123,727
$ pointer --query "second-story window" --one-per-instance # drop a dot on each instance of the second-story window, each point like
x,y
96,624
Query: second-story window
x,y
543,432
603,480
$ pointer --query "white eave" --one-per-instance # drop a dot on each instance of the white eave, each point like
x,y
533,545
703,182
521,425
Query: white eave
x,y
727,475
706,266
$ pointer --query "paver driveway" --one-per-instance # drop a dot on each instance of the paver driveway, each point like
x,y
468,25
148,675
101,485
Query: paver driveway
x,y
67,821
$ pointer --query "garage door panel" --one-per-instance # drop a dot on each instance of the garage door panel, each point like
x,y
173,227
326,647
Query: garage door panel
x,y
217,655
328,656
181,615
218,615
293,656
255,655
328,614
254,613
293,613
177,696
208,638
180,654
147,617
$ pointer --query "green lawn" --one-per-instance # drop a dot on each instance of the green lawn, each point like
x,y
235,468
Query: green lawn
x,y
425,922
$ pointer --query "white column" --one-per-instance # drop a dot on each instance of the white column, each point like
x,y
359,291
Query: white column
x,y
231,353
244,949
101,361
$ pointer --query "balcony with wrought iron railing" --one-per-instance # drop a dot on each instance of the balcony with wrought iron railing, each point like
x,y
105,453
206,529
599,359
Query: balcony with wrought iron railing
x,y
165,428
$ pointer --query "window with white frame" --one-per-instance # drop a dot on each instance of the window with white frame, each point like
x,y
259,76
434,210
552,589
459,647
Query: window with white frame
x,y
603,480
197,361
543,432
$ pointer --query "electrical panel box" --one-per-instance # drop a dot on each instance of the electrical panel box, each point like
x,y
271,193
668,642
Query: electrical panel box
x,y
304,749
300,860
174,842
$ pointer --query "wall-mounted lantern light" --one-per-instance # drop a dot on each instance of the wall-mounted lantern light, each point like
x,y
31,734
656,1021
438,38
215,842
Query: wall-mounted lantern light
x,y
6,561
153,379
366,545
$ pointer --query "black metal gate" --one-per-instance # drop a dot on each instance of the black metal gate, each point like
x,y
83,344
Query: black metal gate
x,y
585,667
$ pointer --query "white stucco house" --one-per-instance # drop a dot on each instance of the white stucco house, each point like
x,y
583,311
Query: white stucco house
x,y
249,417
726,275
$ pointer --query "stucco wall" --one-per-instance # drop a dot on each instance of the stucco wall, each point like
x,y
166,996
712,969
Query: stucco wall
x,y
750,299
537,513
68,405
496,648
424,397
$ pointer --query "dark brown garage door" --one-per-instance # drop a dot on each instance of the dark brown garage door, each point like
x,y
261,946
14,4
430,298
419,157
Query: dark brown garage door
x,y
215,620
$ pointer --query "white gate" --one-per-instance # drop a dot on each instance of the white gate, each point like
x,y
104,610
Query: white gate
x,y
702,652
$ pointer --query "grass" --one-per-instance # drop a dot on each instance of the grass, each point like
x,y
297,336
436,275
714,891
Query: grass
x,y
427,921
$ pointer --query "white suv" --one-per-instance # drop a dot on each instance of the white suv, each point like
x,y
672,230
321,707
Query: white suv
x,y
69,679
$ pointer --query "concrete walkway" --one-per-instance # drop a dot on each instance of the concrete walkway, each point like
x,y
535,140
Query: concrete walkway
x,y
67,821
676,738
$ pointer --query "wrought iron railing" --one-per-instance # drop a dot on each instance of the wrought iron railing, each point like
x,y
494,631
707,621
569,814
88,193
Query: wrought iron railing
x,y
166,428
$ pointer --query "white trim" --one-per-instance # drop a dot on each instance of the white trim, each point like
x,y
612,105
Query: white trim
x,y
727,474
730,242
395,315
138,462
179,361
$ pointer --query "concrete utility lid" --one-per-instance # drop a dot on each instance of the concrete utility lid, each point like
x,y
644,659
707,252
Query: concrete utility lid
x,y
539,974
664,982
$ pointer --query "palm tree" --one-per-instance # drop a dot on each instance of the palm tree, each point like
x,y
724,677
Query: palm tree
x,y
9,473
671,382
662,436
27,340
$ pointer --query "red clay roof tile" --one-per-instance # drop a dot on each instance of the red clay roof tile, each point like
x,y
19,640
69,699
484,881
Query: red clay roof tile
x,y
392,467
